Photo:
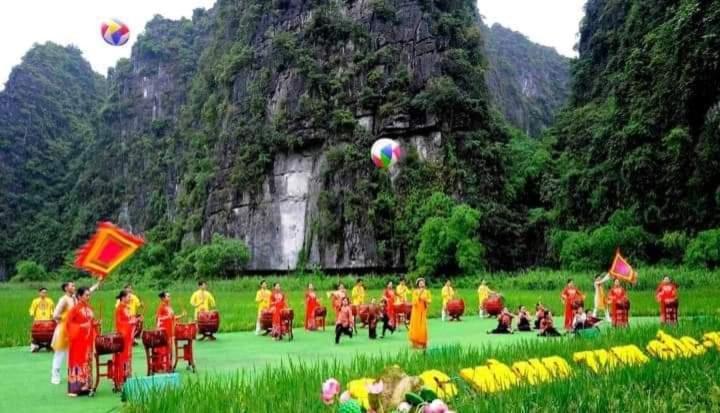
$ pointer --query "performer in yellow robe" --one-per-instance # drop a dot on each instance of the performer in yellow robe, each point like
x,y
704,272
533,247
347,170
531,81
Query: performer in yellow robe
x,y
421,299
133,302
448,293
483,294
401,293
262,298
41,309
358,293
201,299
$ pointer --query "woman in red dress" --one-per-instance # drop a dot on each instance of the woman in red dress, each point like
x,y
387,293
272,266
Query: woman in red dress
x,y
165,321
277,304
665,294
617,297
125,325
389,296
311,304
570,296
81,327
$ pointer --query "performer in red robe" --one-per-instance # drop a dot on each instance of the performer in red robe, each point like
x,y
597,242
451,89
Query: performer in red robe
x,y
125,325
311,304
277,304
389,296
81,328
570,297
165,320
617,298
666,294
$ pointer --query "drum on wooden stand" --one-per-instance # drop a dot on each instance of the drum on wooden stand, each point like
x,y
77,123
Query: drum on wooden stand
x,y
42,333
109,344
493,305
402,313
287,316
156,351
320,316
154,338
455,309
208,324
185,334
621,314
266,320
671,311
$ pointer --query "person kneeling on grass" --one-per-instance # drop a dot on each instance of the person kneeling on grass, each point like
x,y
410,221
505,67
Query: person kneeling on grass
x,y
547,327
579,320
345,320
504,323
539,315
523,319
388,319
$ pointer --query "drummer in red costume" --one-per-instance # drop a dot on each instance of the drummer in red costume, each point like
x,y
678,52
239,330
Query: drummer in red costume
x,y
617,296
277,304
125,324
570,296
389,296
165,321
665,294
81,330
311,304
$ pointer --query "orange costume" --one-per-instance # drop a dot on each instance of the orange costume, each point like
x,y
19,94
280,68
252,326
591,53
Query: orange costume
x,y
277,303
665,294
165,317
81,333
311,304
570,296
617,295
389,296
418,333
122,362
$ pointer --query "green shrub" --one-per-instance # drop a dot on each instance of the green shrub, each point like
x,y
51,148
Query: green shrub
x,y
30,271
222,257
704,250
674,245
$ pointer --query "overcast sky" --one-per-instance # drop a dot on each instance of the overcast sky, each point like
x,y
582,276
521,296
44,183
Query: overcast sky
x,y
24,22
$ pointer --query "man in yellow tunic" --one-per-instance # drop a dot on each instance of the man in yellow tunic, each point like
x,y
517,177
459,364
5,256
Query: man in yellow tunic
x,y
358,293
262,298
483,292
421,299
201,299
448,293
401,293
41,309
60,341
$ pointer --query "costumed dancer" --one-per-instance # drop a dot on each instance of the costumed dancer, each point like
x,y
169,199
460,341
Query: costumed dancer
x,y
483,292
421,299
372,319
448,293
619,304
390,300
41,309
202,299
504,323
165,320
81,330
600,299
401,292
336,298
311,304
539,314
277,303
125,324
571,297
358,293
547,326
579,319
667,295
262,298
345,320
60,336
523,319
134,306
388,321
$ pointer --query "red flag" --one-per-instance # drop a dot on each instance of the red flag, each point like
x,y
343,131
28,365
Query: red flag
x,y
109,247
621,269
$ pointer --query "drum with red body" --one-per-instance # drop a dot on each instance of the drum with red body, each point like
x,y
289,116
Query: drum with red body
x,y
42,332
266,320
320,311
493,305
109,344
185,331
671,311
456,308
404,309
287,314
154,338
364,313
208,322
621,311
138,328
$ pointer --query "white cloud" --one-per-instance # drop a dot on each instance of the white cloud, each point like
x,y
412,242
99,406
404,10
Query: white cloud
x,y
77,22
553,23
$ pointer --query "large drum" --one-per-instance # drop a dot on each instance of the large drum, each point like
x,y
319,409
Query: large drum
x,y
42,332
208,322
321,311
266,320
109,344
186,331
456,308
404,309
287,315
493,305
671,311
154,338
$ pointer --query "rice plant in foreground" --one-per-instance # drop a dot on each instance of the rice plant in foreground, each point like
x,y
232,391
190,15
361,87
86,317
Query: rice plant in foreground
x,y
681,385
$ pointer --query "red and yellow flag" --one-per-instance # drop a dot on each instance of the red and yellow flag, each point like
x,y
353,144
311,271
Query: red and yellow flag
x,y
109,247
621,269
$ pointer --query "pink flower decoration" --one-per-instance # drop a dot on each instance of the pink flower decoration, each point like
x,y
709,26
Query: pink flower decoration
x,y
330,389
345,396
437,406
376,388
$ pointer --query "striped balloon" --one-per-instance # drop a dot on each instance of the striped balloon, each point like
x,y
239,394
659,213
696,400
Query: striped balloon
x,y
115,32
385,153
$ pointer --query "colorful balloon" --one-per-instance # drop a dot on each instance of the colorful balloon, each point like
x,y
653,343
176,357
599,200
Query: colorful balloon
x,y
115,32
385,153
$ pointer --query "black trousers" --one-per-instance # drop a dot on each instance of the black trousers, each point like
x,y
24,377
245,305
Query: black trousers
x,y
340,330
387,325
524,324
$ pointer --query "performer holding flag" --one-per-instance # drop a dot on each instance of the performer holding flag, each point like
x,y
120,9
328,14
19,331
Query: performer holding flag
x,y
600,301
